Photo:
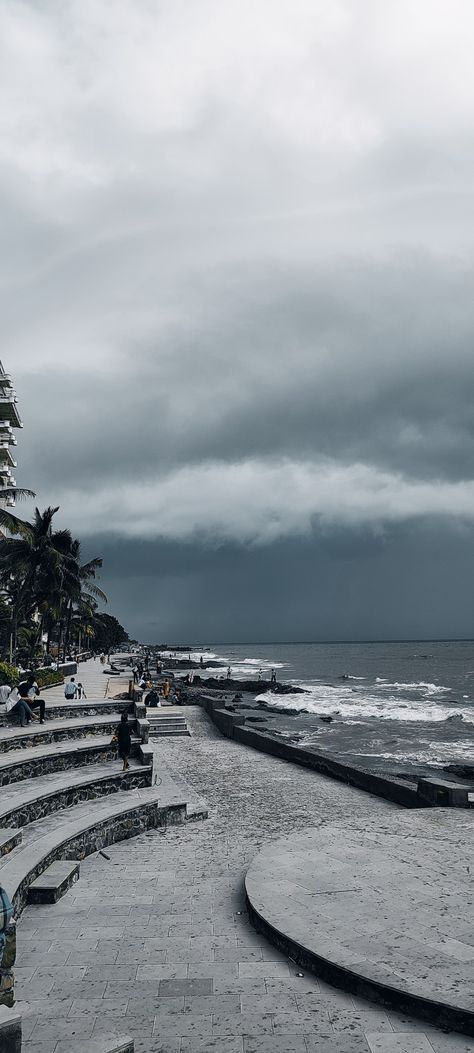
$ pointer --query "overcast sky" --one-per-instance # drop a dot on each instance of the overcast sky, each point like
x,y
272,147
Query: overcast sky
x,y
236,281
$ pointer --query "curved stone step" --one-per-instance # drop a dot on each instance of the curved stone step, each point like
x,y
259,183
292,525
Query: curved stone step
x,y
37,734
43,760
383,909
9,838
85,707
77,832
24,802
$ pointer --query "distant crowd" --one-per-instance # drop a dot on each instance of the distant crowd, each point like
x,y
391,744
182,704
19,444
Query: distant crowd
x,y
172,693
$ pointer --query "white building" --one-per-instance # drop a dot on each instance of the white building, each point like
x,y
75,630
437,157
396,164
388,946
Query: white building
x,y
9,421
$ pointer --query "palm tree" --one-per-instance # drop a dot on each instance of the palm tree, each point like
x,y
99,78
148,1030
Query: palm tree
x,y
35,564
81,592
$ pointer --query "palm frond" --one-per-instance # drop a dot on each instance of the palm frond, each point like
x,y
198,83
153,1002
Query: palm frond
x,y
93,590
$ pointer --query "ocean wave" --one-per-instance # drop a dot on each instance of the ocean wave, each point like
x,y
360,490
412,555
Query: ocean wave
x,y
415,685
338,701
436,753
261,663
419,685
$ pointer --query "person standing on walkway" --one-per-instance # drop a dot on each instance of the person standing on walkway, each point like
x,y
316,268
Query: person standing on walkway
x,y
29,691
166,687
80,691
124,740
102,659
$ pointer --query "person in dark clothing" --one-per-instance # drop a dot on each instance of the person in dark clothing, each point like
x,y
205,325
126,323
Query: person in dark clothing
x,y
124,740
28,691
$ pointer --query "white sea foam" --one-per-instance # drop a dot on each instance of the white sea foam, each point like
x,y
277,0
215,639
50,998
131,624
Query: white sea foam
x,y
436,753
358,705
418,685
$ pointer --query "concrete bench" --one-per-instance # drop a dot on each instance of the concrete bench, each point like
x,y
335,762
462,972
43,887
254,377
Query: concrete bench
x,y
54,882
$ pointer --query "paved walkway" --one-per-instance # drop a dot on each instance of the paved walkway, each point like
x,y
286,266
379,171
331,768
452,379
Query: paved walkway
x,y
155,941
90,674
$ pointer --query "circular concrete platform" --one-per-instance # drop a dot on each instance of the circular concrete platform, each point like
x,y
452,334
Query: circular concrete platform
x,y
384,910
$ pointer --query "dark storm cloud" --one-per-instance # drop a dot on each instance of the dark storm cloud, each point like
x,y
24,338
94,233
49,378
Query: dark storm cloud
x,y
410,583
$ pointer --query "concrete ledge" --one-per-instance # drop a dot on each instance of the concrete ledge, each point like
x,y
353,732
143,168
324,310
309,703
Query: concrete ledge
x,y
143,729
10,1030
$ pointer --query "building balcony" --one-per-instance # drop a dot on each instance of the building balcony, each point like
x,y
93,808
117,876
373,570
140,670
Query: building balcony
x,y
7,436
5,456
9,412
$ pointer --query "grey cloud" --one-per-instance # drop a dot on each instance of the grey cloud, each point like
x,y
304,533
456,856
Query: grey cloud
x,y
349,363
237,261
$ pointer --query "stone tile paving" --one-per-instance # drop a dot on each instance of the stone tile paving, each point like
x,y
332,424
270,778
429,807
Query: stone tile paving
x,y
155,941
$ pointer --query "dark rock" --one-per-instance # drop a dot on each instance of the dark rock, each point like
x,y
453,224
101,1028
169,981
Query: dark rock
x,y
464,771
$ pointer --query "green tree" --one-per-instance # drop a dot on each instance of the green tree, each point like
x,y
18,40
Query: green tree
x,y
37,566
108,633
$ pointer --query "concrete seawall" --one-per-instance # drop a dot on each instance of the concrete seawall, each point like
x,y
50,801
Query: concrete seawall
x,y
234,726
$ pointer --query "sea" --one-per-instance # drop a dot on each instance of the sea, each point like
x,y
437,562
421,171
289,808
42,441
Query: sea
x,y
403,707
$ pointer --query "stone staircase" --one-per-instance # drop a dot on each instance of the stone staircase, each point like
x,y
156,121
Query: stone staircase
x,y
50,774
164,724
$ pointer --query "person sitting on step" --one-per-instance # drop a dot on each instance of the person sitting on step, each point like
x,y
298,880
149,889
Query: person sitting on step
x,y
29,691
13,706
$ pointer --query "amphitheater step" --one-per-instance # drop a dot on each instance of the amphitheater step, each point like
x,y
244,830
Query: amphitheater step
x,y
156,732
160,724
42,760
54,882
24,802
85,708
56,730
9,839
80,830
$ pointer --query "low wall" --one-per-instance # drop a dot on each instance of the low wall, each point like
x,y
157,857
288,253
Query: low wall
x,y
233,725
7,961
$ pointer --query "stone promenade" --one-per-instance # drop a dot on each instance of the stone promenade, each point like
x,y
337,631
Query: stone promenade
x,y
155,942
